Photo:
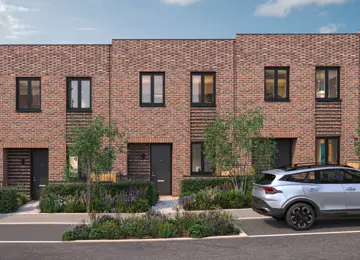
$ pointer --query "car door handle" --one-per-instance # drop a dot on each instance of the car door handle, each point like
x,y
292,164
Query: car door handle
x,y
312,189
350,189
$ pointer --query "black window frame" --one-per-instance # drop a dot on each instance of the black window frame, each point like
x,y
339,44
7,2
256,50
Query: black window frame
x,y
201,103
326,98
276,98
315,181
68,95
152,89
202,173
327,150
350,172
28,79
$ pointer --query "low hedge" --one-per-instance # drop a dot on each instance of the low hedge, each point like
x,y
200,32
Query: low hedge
x,y
8,200
193,186
69,191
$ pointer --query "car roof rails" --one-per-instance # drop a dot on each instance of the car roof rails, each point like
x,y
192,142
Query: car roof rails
x,y
299,166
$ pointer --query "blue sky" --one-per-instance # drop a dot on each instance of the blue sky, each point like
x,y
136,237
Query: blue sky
x,y
99,21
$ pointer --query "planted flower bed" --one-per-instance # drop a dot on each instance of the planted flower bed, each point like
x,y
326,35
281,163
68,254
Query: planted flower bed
x,y
220,194
127,197
156,225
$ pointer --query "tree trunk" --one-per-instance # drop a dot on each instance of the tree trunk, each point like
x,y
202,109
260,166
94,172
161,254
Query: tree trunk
x,y
88,180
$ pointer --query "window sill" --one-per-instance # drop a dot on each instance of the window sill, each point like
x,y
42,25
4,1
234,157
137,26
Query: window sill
x,y
277,100
28,110
152,105
201,174
327,100
79,110
202,105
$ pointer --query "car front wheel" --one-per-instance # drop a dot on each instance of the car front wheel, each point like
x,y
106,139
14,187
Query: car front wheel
x,y
300,216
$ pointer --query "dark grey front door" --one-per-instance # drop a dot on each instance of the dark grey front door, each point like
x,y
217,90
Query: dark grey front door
x,y
284,152
39,171
160,155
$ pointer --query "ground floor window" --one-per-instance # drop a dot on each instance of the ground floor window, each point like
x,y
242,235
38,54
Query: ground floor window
x,y
328,150
199,164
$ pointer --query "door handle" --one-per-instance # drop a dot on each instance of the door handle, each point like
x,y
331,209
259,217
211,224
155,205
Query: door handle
x,y
350,189
34,179
312,189
152,174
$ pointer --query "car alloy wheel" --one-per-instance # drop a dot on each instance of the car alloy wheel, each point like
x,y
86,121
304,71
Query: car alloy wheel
x,y
300,216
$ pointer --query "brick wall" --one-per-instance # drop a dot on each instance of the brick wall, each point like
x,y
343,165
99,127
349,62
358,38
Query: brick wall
x,y
239,66
177,58
53,63
302,53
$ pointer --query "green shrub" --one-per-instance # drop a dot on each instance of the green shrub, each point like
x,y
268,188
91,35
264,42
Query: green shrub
x,y
210,199
107,230
72,197
8,200
21,199
200,230
79,232
191,186
156,224
168,229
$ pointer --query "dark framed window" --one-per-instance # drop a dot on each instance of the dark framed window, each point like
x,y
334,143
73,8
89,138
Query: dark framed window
x,y
350,176
327,84
277,84
199,163
296,177
152,89
79,94
28,94
327,150
327,176
203,89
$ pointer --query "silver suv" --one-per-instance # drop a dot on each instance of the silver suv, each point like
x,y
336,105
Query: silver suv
x,y
302,194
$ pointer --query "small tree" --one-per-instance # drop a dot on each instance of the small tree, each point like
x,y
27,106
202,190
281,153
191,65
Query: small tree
x,y
232,142
357,143
93,146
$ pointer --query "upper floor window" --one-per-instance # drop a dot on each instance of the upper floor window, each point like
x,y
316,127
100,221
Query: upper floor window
x,y
203,89
152,89
28,94
277,84
327,84
199,164
79,94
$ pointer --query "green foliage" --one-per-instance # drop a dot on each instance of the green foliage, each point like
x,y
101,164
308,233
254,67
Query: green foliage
x,y
167,229
22,199
231,142
107,230
214,198
128,197
155,224
93,146
200,230
79,232
8,200
357,144
190,186
87,144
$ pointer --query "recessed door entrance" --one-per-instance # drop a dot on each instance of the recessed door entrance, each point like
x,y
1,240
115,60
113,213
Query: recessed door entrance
x,y
160,167
39,171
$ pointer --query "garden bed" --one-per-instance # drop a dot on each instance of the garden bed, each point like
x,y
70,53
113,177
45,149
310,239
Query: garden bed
x,y
11,200
154,224
126,197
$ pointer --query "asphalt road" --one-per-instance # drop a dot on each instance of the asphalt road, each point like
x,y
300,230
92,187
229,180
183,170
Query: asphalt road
x,y
283,246
329,247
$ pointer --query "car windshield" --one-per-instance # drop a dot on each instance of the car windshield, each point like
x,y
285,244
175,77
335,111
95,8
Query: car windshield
x,y
265,179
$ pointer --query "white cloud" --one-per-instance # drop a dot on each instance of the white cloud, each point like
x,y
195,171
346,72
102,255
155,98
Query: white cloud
x,y
10,25
282,8
181,2
85,29
330,28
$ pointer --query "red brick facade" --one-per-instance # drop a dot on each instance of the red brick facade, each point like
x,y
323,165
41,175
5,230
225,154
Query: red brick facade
x,y
239,66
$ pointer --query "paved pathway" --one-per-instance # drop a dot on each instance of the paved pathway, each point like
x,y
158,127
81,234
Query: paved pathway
x,y
31,207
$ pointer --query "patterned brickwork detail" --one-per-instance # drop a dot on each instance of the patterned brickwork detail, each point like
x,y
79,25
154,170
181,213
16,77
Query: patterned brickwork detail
x,y
200,117
18,169
328,118
139,160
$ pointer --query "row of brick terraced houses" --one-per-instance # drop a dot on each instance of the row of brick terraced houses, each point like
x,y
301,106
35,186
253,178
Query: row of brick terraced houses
x,y
163,92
